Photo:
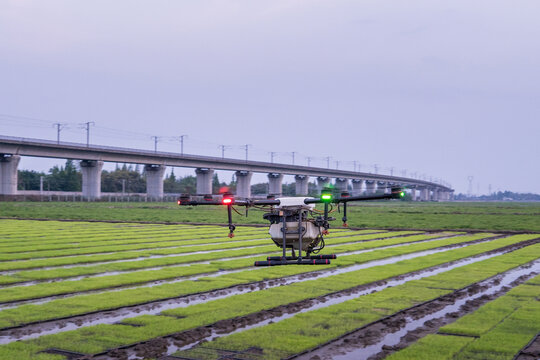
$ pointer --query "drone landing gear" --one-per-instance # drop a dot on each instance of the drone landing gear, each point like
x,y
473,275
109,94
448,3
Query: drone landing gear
x,y
295,260
292,260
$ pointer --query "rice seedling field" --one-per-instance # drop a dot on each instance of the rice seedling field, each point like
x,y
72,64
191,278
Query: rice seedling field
x,y
127,290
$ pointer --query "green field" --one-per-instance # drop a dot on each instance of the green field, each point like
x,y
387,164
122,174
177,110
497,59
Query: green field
x,y
389,214
89,288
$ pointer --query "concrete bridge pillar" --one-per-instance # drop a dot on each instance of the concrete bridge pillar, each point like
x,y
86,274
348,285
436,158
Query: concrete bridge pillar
x,y
435,195
357,186
322,182
274,184
91,179
243,184
371,186
381,187
154,181
204,180
413,194
8,173
424,194
342,184
301,182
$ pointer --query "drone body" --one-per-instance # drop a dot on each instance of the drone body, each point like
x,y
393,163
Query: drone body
x,y
295,223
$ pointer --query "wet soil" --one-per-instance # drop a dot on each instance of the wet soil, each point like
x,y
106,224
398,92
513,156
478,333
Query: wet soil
x,y
398,331
531,351
189,338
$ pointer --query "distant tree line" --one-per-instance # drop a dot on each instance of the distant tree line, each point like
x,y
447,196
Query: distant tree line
x,y
499,196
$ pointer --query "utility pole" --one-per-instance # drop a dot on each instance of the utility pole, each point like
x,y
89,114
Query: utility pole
x,y
337,164
292,153
156,138
223,147
272,153
86,126
59,127
246,147
182,143
354,162
328,162
392,171
308,160
376,168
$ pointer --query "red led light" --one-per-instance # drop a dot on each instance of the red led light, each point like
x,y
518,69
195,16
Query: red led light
x,y
227,201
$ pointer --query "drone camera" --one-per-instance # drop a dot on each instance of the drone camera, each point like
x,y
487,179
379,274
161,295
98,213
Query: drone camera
x,y
208,197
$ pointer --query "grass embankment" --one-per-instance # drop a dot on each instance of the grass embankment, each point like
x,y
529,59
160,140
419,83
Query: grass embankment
x,y
389,214
498,330
307,330
98,338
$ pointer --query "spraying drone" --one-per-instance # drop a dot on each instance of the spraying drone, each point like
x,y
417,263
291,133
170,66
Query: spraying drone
x,y
295,223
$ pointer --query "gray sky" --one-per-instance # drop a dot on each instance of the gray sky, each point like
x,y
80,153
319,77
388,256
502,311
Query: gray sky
x,y
443,88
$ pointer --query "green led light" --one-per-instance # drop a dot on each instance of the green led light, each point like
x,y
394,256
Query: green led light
x,y
326,197
402,194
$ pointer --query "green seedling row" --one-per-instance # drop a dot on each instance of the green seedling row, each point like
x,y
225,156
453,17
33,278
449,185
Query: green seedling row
x,y
86,259
97,302
111,246
92,241
115,248
102,337
168,261
307,330
171,261
497,330
55,235
172,272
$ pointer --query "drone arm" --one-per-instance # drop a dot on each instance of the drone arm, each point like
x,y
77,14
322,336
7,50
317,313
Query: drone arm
x,y
366,197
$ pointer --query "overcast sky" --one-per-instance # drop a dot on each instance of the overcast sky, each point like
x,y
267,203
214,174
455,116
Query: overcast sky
x,y
449,89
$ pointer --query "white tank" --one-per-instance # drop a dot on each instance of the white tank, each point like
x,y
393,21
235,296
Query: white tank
x,y
310,235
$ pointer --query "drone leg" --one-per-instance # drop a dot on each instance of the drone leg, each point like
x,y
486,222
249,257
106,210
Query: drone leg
x,y
231,226
284,231
326,226
345,215
300,236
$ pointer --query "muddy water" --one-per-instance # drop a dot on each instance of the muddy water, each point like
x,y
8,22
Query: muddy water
x,y
394,331
177,342
112,316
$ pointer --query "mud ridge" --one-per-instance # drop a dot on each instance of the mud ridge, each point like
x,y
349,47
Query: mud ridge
x,y
531,351
151,268
44,299
189,338
39,328
383,337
